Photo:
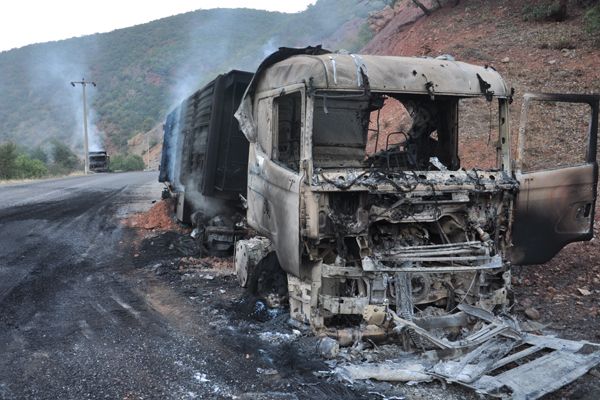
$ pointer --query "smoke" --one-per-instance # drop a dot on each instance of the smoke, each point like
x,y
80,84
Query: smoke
x,y
208,206
212,48
269,48
94,134
50,70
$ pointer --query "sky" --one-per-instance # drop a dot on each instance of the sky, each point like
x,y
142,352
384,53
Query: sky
x,y
24,22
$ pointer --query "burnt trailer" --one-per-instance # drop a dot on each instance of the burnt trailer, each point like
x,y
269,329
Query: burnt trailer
x,y
203,148
205,158
99,161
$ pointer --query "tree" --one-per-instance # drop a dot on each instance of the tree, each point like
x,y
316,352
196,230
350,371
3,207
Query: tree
x,y
428,11
8,158
63,157
425,10
27,168
39,154
592,23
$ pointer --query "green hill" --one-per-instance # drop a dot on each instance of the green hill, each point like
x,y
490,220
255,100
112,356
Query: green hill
x,y
143,71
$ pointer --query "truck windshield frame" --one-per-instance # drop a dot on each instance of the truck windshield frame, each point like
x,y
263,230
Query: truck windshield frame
x,y
349,130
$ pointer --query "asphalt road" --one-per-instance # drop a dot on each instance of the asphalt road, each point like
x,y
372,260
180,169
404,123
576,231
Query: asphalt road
x,y
73,323
83,313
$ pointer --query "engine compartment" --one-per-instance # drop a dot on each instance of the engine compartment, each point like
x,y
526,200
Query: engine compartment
x,y
420,252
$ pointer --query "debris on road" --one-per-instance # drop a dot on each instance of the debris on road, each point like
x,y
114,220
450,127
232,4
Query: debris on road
x,y
328,347
404,371
158,218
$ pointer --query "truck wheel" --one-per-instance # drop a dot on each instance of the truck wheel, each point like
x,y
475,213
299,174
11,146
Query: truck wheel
x,y
269,281
248,254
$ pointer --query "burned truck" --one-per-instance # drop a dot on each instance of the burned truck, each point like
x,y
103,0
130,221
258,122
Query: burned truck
x,y
381,228
99,161
404,226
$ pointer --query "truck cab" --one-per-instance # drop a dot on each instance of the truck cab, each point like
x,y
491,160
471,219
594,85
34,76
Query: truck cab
x,y
356,182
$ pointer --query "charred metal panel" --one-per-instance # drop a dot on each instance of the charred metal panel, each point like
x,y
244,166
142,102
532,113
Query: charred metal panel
x,y
554,207
527,368
203,136
170,159
231,167
322,70
273,208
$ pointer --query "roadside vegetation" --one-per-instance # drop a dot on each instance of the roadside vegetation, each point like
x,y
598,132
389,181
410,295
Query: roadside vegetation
x,y
592,22
56,160
131,162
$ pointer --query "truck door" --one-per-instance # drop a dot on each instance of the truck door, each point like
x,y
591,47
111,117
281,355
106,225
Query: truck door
x,y
558,174
274,175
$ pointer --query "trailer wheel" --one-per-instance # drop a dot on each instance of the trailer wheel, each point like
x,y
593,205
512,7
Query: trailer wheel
x,y
248,253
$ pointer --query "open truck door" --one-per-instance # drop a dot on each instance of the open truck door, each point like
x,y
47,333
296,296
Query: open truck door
x,y
557,194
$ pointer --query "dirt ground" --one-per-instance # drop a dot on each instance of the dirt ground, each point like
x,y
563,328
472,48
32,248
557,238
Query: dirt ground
x,y
285,354
288,355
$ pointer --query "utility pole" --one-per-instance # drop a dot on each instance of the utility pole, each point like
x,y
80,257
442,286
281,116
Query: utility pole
x,y
148,151
86,155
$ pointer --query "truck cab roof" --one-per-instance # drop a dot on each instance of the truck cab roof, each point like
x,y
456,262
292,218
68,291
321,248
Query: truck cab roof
x,y
333,71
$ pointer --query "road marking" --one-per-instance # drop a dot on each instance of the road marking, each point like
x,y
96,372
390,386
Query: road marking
x,y
126,306
102,310
85,329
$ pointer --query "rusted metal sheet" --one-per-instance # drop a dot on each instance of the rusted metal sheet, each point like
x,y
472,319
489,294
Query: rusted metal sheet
x,y
499,359
527,369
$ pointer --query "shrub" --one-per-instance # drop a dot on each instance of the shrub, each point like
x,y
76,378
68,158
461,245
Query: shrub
x,y
16,165
547,11
39,154
592,22
64,160
587,3
27,168
131,162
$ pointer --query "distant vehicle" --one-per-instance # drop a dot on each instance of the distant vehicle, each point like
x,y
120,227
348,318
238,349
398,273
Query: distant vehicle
x,y
99,161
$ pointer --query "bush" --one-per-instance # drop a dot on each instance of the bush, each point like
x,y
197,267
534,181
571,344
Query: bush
x,y
27,168
592,22
39,154
546,11
64,160
131,162
587,3
16,165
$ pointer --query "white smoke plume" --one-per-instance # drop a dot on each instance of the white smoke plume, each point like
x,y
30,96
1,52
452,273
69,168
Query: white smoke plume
x,y
51,69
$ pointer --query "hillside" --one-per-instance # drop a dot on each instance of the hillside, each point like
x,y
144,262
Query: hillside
x,y
143,71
